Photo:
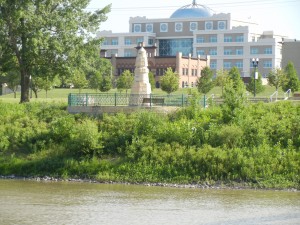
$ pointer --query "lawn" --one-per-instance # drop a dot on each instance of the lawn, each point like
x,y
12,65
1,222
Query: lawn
x,y
61,94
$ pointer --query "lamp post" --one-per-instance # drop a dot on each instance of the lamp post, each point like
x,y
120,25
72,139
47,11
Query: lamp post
x,y
255,64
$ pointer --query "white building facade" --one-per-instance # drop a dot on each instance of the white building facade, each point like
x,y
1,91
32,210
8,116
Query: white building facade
x,y
194,30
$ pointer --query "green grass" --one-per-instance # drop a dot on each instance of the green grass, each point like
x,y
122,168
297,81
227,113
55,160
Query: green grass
x,y
61,94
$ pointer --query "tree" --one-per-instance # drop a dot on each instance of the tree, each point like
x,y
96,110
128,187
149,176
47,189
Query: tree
x,y
169,82
12,79
106,84
125,81
151,80
79,80
52,35
276,78
222,77
234,95
259,87
291,81
205,82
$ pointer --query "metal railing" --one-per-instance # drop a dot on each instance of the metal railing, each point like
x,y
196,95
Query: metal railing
x,y
122,99
275,94
287,94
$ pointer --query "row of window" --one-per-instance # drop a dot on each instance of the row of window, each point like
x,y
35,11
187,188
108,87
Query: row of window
x,y
164,27
255,51
185,71
214,39
238,51
238,64
128,41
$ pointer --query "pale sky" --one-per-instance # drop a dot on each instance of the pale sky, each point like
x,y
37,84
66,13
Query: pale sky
x,y
280,16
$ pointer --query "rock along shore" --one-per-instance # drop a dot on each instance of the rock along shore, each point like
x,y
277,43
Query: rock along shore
x,y
205,185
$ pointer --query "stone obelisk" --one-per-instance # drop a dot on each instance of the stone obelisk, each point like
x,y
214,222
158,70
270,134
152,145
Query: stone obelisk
x,y
141,87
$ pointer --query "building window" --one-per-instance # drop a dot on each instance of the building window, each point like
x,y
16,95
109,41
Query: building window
x,y
127,41
192,84
227,52
139,40
149,27
105,42
170,47
221,25
208,25
200,52
163,27
213,64
127,53
213,39
150,41
253,51
227,65
178,27
227,39
200,39
268,51
267,64
213,51
114,42
239,38
137,28
239,51
193,26
239,64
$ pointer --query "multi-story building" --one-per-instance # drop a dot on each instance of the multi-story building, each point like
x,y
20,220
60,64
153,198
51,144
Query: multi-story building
x,y
291,53
197,33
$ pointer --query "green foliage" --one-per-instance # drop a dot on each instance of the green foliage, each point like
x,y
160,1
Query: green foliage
x,y
255,86
79,80
169,82
260,145
205,82
48,38
151,80
276,78
291,81
125,81
222,77
106,84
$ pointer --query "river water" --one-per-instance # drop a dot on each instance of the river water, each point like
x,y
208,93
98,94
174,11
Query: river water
x,y
31,202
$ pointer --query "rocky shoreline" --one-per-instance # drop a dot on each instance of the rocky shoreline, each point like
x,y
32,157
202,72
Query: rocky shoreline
x,y
206,185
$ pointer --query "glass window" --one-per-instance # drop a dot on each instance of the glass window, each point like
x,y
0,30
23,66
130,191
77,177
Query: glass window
x,y
227,65
239,51
239,64
137,28
227,52
149,27
253,51
227,39
213,51
267,64
208,25
150,41
170,47
239,38
200,39
268,51
178,27
127,53
193,26
213,39
221,25
105,42
139,40
200,52
127,41
114,41
213,64
163,27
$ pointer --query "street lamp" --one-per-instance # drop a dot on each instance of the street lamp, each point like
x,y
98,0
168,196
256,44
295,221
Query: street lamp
x,y
255,64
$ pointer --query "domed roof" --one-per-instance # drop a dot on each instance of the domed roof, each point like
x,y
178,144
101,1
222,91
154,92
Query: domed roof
x,y
193,10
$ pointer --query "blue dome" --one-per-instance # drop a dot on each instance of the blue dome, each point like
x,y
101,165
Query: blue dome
x,y
193,10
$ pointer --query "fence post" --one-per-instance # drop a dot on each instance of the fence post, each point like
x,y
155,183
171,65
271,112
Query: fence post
x,y
115,98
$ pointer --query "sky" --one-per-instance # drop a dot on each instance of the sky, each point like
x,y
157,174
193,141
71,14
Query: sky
x,y
280,16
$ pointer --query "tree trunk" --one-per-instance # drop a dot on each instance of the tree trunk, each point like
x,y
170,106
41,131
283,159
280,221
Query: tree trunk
x,y
24,86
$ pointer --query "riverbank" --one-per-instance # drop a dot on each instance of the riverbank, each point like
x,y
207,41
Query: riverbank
x,y
219,185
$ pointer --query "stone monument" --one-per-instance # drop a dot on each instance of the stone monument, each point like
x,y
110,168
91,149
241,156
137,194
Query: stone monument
x,y
141,87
